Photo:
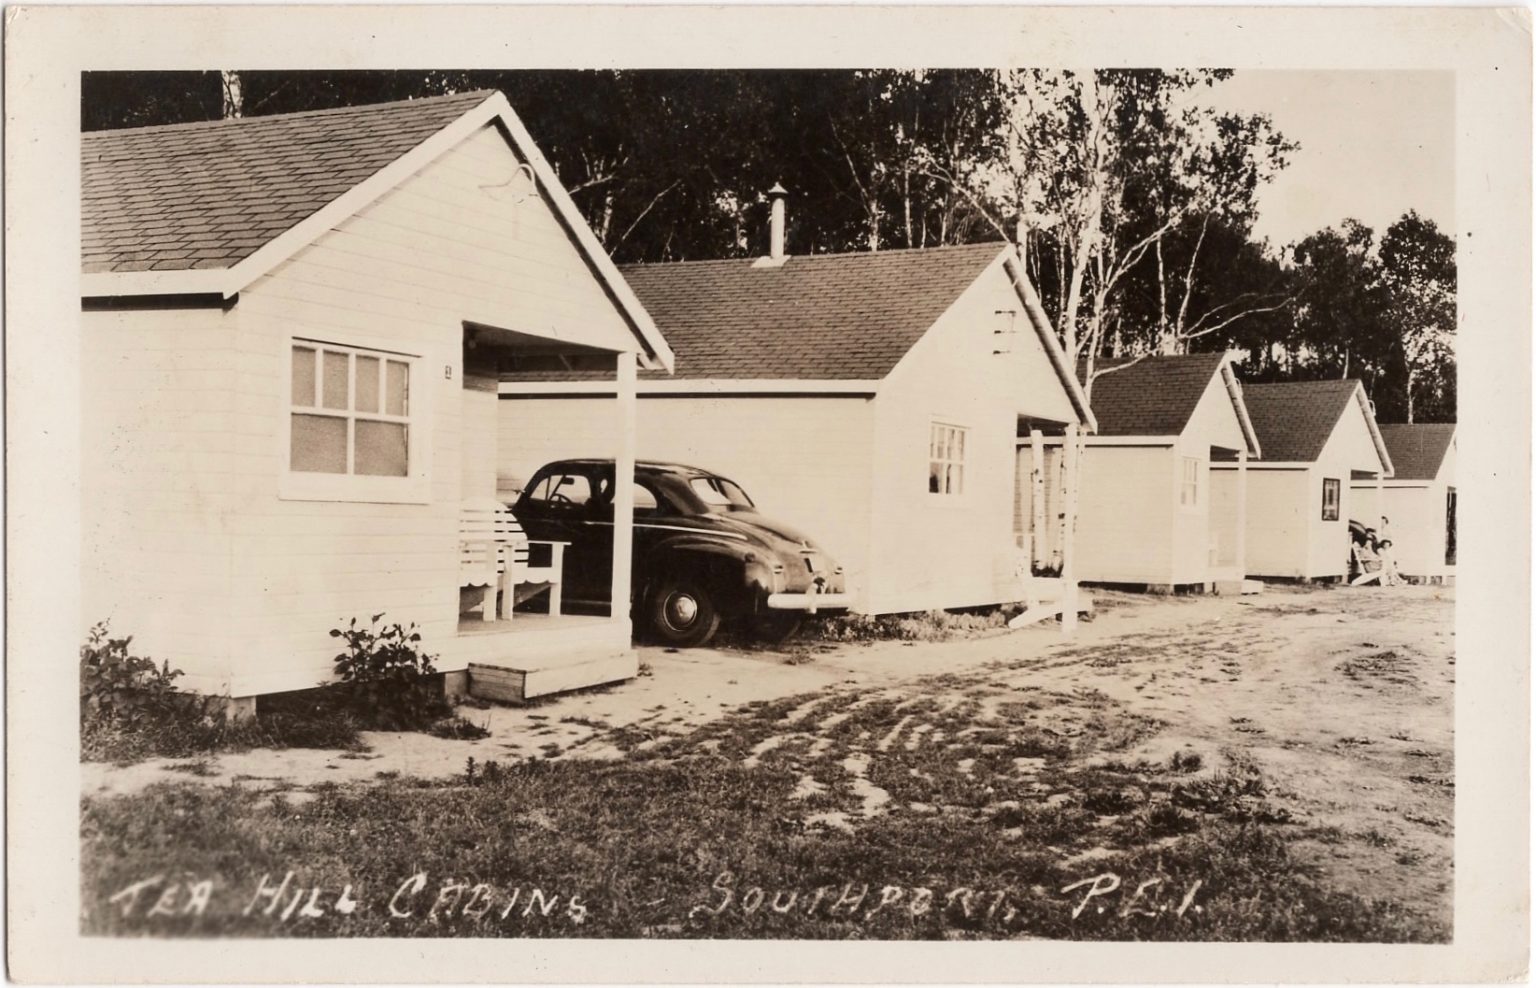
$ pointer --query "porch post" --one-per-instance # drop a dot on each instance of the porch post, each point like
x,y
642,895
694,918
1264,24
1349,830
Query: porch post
x,y
624,486
1242,515
1071,451
1381,507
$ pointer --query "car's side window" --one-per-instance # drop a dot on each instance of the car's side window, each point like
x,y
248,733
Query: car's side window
x,y
562,489
646,503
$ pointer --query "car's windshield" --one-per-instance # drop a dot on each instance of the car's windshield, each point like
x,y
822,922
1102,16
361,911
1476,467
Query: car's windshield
x,y
719,494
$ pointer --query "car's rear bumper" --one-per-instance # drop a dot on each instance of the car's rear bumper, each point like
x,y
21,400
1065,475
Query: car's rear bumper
x,y
809,602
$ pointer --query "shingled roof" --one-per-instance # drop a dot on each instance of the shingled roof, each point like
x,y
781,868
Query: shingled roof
x,y
208,195
1152,396
1418,450
1295,418
815,317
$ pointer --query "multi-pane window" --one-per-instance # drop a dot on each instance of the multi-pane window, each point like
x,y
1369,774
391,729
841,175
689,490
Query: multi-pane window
x,y
1330,499
1189,482
350,411
946,459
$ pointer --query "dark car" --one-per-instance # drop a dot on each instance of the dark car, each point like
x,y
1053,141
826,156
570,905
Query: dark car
x,y
702,552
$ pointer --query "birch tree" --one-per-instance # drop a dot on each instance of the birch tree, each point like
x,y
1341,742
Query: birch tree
x,y
1104,167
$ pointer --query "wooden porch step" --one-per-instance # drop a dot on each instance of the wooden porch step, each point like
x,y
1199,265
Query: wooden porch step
x,y
1233,588
520,680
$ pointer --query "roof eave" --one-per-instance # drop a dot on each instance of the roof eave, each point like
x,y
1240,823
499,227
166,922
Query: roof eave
x,y
128,284
1235,391
1047,335
1370,424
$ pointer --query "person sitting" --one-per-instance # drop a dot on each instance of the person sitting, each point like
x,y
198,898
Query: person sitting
x,y
1389,574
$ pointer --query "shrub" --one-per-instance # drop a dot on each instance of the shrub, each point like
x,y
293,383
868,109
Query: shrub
x,y
382,673
120,690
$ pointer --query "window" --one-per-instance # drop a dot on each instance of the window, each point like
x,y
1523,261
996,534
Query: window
x,y
563,488
350,412
1189,482
354,425
946,459
719,493
1330,499
645,502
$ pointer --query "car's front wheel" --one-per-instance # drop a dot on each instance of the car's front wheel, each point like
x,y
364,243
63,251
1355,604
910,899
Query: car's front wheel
x,y
683,613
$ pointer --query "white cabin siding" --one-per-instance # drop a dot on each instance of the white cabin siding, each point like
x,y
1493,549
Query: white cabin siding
x,y
478,440
159,478
1279,521
1418,529
1225,492
1125,527
1133,525
937,550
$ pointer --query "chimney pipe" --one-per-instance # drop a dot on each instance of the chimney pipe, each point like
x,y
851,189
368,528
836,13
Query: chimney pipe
x,y
776,196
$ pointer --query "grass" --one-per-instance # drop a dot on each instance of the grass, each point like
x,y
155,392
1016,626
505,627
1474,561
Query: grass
x,y
682,840
190,733
318,718
925,626
656,849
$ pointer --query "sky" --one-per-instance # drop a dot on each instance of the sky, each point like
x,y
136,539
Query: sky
x,y
1374,144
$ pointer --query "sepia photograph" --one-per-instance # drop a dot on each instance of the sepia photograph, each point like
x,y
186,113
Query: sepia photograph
x,y
1006,502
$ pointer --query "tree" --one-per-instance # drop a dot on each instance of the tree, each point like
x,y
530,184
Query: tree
x,y
1418,280
1106,169
1338,320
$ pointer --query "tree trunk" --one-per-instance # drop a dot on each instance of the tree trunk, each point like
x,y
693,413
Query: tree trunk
x,y
233,96
1162,293
1410,394
906,201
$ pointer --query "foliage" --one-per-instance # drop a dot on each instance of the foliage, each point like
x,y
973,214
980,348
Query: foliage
x,y
1384,312
120,690
1418,280
129,711
382,676
915,626
1103,168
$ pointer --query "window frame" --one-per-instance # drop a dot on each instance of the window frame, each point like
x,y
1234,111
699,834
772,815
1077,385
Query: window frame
x,y
1190,484
1335,485
953,431
300,485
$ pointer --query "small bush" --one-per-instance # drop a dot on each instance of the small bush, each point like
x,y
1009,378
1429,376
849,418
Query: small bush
x,y
916,626
457,728
382,676
120,690
130,708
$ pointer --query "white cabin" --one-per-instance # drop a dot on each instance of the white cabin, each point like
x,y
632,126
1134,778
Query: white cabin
x,y
1320,444
290,329
1151,511
1416,509
872,400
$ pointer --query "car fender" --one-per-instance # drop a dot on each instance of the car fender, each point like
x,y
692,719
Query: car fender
x,y
706,555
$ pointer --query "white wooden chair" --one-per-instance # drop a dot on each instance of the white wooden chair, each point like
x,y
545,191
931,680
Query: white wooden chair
x,y
494,558
1367,565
